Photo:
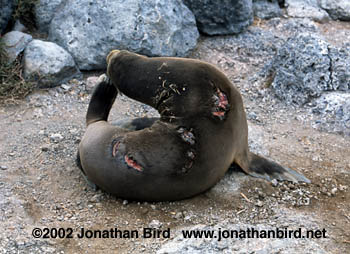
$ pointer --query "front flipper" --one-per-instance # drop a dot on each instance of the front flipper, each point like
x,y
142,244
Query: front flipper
x,y
269,170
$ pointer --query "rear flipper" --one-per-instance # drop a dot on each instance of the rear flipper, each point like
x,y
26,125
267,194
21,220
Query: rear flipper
x,y
269,170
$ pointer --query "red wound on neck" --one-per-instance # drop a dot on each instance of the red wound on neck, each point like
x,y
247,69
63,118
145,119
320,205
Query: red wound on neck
x,y
132,163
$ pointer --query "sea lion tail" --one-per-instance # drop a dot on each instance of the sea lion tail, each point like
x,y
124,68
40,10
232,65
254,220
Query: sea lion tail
x,y
101,101
269,170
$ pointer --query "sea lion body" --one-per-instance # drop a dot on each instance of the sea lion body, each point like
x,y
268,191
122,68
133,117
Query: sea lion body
x,y
201,132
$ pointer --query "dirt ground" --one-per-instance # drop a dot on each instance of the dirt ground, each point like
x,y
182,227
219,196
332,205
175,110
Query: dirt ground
x,y
41,187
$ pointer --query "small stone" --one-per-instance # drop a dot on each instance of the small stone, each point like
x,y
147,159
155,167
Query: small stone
x,y
3,167
178,215
334,191
125,202
155,224
274,182
153,207
56,137
45,148
65,87
259,203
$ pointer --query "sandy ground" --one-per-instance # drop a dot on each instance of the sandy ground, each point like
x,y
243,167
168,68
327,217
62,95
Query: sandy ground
x,y
41,187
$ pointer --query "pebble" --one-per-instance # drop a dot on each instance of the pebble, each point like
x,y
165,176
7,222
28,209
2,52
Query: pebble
x,y
65,87
125,202
155,224
274,182
56,137
3,167
45,148
259,203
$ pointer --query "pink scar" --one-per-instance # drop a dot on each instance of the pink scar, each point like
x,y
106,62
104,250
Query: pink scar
x,y
115,149
133,164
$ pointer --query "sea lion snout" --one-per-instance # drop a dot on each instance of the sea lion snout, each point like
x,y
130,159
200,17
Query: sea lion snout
x,y
110,54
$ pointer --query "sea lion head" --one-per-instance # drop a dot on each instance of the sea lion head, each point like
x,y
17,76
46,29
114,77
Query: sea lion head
x,y
111,54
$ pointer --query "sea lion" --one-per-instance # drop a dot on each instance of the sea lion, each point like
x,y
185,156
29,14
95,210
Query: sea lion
x,y
202,130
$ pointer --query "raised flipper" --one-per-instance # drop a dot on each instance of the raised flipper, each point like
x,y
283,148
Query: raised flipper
x,y
269,170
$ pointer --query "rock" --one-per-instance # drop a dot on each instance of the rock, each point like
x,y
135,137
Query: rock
x,y
56,137
125,202
301,69
221,17
266,9
6,8
340,68
48,63
91,83
3,167
155,224
19,27
90,29
45,10
337,9
274,182
334,111
306,9
15,42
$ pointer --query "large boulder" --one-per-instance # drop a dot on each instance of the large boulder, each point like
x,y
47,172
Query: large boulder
x,y
14,43
306,9
90,29
301,69
6,8
48,63
45,10
306,66
221,17
337,9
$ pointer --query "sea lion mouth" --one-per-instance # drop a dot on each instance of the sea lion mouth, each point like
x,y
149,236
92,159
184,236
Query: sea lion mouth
x,y
109,56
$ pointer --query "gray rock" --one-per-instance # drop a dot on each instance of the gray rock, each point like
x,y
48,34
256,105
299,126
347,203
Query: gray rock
x,y
19,27
337,9
90,29
340,68
221,17
266,9
306,9
334,111
6,8
48,63
15,42
301,69
45,10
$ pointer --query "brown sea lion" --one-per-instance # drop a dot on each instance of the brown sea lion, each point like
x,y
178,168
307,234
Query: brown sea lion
x,y
202,130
